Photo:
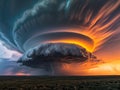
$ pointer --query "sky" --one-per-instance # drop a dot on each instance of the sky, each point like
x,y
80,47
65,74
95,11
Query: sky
x,y
92,24
9,65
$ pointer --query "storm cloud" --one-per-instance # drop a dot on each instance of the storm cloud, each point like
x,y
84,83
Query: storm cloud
x,y
58,31
55,53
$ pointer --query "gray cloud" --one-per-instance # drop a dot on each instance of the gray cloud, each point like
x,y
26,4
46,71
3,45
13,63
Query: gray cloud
x,y
46,54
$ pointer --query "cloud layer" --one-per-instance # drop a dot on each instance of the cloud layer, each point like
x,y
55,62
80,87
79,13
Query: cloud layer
x,y
51,53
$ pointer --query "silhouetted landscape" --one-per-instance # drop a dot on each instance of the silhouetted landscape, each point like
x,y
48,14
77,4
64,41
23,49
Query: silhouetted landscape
x,y
60,83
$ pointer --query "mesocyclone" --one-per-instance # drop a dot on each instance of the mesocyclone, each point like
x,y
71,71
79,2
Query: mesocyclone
x,y
48,21
45,28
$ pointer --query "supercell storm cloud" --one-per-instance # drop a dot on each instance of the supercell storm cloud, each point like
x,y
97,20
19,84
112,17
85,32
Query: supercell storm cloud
x,y
54,53
57,32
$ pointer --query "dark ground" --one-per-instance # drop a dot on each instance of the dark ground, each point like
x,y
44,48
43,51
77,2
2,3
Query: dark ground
x,y
60,83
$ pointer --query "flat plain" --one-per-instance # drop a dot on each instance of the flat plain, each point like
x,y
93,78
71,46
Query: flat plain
x,y
59,82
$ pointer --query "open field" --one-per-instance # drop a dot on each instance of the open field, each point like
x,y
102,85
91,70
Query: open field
x,y
60,83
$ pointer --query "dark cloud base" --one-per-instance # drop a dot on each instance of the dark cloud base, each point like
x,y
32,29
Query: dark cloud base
x,y
47,54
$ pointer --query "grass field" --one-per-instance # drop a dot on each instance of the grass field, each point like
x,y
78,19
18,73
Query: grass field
x,y
60,83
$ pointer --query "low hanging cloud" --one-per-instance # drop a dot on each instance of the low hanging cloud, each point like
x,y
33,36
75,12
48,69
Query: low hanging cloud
x,y
51,53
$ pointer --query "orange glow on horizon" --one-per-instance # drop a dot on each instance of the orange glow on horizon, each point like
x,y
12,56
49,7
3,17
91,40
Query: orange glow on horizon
x,y
89,68
22,74
105,69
